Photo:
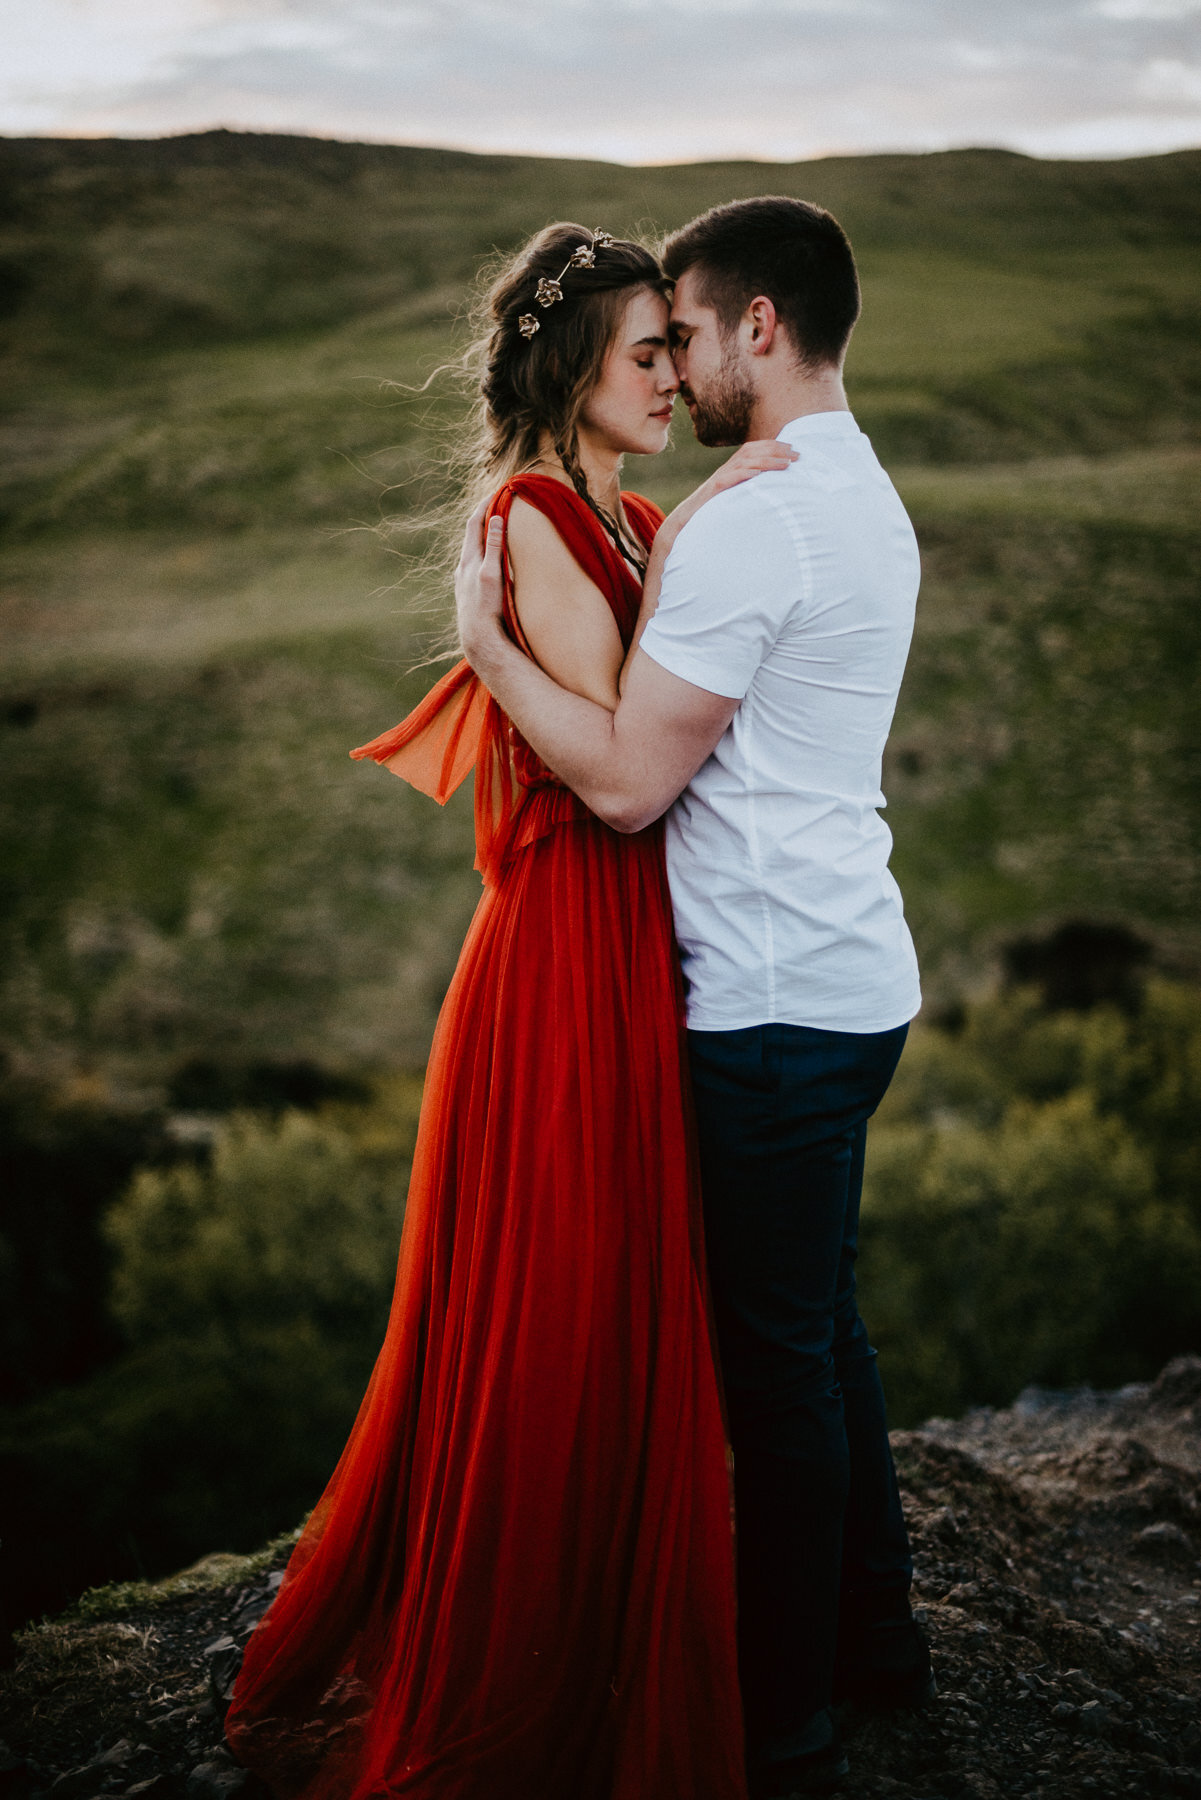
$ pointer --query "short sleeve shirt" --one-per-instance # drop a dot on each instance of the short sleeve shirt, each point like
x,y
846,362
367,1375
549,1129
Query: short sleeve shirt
x,y
793,593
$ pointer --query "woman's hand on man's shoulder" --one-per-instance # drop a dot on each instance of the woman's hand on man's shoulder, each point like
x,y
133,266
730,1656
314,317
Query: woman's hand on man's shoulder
x,y
760,456
756,457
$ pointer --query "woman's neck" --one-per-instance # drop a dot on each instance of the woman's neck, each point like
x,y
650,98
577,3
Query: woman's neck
x,y
600,465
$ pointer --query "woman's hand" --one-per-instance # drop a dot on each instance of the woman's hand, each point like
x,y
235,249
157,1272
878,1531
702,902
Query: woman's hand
x,y
754,458
750,459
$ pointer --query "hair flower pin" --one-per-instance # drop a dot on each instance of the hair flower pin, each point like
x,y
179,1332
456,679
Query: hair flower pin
x,y
550,290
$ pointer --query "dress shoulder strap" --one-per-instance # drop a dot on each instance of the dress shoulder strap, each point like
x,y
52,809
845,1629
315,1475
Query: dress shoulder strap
x,y
575,523
586,539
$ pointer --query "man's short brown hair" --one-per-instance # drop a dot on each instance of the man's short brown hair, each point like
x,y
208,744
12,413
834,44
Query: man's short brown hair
x,y
794,253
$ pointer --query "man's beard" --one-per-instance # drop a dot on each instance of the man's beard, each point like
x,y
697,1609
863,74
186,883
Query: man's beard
x,y
723,415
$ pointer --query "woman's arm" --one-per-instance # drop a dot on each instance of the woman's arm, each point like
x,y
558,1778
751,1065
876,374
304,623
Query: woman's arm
x,y
568,623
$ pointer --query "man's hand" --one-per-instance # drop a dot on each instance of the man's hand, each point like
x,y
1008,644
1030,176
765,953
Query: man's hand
x,y
479,588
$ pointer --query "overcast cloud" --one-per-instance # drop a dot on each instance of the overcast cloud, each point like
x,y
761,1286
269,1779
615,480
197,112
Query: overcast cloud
x,y
630,80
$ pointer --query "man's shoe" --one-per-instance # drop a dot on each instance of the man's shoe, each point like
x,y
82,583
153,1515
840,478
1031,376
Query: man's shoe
x,y
889,1692
821,1771
885,1667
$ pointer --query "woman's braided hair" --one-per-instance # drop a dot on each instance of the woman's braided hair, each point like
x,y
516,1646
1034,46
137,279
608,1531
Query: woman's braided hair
x,y
520,390
534,386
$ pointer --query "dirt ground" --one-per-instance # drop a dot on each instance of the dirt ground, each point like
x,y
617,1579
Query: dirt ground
x,y
1058,1557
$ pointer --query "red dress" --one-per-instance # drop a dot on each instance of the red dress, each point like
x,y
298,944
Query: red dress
x,y
519,1582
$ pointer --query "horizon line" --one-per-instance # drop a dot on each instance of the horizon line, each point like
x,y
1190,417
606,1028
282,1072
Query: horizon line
x,y
763,158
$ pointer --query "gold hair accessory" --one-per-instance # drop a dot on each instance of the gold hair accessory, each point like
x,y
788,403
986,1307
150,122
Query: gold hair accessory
x,y
548,291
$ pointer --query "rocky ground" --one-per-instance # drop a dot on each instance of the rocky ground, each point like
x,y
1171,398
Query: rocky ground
x,y
1058,1577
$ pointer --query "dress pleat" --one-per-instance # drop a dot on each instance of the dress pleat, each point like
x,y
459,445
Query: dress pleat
x,y
519,1582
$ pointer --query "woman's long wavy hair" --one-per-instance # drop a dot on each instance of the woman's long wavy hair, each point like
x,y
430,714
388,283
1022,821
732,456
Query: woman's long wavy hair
x,y
525,391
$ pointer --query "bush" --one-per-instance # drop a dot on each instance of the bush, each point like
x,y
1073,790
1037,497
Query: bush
x,y
293,1223
254,1294
1032,1207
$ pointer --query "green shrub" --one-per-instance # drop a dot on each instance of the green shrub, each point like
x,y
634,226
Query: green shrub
x,y
293,1222
254,1294
1032,1207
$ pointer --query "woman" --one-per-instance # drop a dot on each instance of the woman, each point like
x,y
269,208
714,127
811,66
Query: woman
x,y
519,1581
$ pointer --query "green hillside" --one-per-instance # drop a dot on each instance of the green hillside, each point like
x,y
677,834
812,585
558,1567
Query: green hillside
x,y
199,340
209,348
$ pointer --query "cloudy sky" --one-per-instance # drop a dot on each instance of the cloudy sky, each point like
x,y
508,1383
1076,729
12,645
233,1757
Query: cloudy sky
x,y
632,80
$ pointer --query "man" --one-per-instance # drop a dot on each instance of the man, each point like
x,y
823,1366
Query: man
x,y
756,708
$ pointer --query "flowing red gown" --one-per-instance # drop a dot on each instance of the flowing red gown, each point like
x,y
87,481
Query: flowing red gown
x,y
519,1582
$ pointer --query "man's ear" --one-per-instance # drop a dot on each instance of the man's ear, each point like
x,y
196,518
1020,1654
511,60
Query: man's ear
x,y
760,321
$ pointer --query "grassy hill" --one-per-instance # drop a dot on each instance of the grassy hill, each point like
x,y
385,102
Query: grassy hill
x,y
208,351
199,341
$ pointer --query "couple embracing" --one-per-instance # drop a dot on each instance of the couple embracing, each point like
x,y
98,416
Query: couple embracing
x,y
631,1228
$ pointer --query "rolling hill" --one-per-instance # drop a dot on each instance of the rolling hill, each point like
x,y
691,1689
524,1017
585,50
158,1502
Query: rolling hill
x,y
210,346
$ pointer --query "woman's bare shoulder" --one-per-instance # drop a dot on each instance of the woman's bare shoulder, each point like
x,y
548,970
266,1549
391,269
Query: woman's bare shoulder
x,y
541,559
565,617
530,527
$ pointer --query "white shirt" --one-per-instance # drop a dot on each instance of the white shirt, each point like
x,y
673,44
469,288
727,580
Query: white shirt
x,y
793,592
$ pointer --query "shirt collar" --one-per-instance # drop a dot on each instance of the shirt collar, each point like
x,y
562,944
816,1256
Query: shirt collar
x,y
819,424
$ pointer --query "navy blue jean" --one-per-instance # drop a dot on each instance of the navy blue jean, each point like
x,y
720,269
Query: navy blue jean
x,y
782,1115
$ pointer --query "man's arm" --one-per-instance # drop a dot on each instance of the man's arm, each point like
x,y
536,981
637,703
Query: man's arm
x,y
753,458
627,766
